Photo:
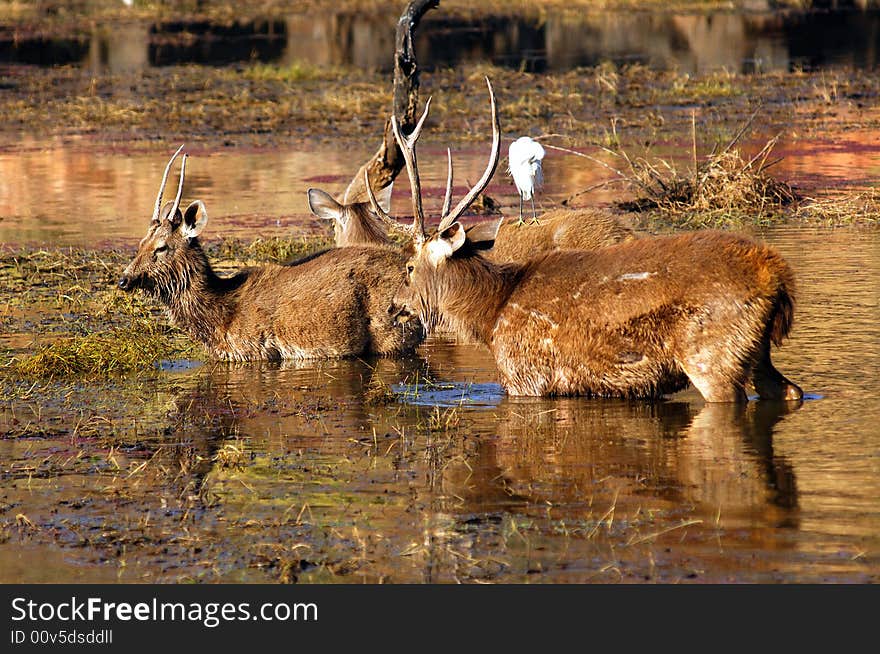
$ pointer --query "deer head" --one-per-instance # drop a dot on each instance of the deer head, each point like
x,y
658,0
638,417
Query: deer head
x,y
432,270
354,223
164,260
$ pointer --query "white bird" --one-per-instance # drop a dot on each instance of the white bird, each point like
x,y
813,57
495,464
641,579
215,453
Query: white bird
x,y
524,165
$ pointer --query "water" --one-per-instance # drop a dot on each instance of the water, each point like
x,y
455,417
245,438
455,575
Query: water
x,y
424,470
552,41
69,192
298,468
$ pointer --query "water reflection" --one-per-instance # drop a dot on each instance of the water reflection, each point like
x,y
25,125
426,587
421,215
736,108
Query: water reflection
x,y
718,458
555,40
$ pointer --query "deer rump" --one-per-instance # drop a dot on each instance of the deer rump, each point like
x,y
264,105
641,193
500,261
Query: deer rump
x,y
642,318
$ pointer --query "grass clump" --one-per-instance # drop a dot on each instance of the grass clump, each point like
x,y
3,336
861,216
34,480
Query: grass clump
x,y
862,209
97,354
298,71
723,188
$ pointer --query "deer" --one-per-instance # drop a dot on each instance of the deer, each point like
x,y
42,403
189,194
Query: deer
x,y
355,223
638,319
331,304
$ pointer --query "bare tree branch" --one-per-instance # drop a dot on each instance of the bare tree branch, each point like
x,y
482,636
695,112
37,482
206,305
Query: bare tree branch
x,y
388,161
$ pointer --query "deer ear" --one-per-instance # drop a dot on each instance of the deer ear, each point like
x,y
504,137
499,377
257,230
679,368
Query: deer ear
x,y
324,206
165,214
482,235
444,244
194,219
383,197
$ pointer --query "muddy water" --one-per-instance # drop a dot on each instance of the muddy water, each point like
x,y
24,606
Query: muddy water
x,y
423,470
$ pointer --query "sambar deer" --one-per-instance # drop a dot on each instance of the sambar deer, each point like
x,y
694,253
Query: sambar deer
x,y
636,319
356,223
332,304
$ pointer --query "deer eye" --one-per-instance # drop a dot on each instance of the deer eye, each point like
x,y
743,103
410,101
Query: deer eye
x,y
410,268
161,249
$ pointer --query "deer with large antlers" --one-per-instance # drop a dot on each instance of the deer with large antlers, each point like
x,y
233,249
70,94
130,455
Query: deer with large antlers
x,y
637,319
333,304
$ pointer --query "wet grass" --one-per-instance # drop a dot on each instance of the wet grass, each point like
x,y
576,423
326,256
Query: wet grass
x,y
69,319
720,189
268,250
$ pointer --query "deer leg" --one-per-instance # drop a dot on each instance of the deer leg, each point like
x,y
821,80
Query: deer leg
x,y
718,390
769,383
713,381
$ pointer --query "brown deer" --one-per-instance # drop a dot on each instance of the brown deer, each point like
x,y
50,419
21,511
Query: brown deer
x,y
559,229
353,223
636,319
332,304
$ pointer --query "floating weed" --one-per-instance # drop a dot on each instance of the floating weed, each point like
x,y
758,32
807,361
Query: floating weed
x,y
230,456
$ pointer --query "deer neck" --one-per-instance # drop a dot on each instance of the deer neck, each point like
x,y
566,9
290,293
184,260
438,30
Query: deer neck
x,y
475,292
363,231
201,303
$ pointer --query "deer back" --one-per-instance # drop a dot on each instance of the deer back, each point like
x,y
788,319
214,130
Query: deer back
x,y
559,229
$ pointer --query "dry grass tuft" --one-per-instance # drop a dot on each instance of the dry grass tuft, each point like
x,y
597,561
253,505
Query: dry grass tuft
x,y
724,188
862,209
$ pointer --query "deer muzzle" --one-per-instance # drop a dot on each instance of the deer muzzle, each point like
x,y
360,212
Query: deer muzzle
x,y
400,315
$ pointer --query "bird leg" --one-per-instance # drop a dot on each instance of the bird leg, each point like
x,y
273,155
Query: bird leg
x,y
534,215
520,221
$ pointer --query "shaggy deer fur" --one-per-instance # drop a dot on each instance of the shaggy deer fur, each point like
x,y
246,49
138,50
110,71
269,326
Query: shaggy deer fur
x,y
333,304
636,319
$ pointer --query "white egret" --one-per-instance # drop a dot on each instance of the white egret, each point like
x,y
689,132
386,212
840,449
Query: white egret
x,y
524,165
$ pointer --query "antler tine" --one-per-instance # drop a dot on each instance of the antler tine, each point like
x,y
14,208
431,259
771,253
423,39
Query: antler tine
x,y
158,206
379,211
466,201
407,147
176,204
447,199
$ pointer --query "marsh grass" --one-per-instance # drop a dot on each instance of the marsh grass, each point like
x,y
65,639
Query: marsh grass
x,y
80,325
859,209
723,188
269,250
116,351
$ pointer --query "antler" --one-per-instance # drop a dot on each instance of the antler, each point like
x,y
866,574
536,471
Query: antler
x,y
447,198
407,146
176,204
379,211
450,217
158,206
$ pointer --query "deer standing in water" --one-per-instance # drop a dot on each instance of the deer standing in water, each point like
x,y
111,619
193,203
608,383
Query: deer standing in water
x,y
332,304
636,319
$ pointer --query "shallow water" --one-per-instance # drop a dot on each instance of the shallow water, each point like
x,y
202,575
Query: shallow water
x,y
327,483
550,40
72,192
